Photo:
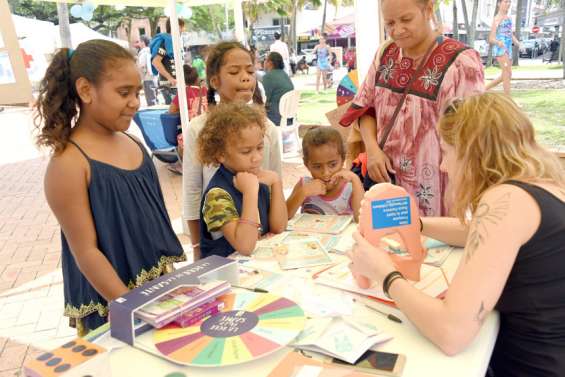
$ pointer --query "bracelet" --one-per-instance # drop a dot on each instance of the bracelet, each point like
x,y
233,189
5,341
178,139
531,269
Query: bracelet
x,y
249,222
421,224
195,245
388,281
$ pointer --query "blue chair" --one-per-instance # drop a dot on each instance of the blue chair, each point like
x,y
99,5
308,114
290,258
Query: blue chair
x,y
159,130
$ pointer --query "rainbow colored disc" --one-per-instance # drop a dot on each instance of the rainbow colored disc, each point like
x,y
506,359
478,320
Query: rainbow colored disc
x,y
347,88
251,325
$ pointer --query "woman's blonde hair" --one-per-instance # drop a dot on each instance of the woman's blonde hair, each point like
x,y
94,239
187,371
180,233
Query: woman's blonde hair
x,y
494,142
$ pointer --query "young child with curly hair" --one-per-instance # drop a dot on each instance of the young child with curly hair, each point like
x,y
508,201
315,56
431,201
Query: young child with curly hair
x,y
242,200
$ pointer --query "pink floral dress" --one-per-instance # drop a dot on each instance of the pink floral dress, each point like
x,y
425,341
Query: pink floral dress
x,y
452,70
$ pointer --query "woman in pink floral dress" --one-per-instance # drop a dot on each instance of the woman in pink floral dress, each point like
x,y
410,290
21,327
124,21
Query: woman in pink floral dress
x,y
412,151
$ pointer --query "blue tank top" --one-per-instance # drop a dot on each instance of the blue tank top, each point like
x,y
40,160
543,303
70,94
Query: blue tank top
x,y
133,231
224,180
504,34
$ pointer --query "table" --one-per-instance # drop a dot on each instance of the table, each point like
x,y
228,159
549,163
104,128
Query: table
x,y
422,357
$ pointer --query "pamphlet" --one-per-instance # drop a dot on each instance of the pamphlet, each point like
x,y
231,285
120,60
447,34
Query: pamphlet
x,y
329,224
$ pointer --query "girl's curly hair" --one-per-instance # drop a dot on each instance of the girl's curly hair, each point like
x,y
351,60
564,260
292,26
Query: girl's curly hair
x,y
224,123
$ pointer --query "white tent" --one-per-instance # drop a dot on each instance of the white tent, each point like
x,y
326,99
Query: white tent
x,y
81,33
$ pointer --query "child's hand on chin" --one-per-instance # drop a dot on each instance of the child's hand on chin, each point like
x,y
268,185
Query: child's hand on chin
x,y
246,183
344,174
267,177
314,188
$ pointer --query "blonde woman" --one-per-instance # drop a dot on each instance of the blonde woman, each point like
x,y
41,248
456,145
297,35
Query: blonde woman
x,y
514,242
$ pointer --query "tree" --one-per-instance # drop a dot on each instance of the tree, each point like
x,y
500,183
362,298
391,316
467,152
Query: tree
x,y
455,22
210,18
40,10
473,27
516,51
489,55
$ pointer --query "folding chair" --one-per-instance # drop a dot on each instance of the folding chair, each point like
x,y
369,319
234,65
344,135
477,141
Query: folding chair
x,y
159,130
288,135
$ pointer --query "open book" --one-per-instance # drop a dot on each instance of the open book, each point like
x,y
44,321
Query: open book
x,y
330,224
433,281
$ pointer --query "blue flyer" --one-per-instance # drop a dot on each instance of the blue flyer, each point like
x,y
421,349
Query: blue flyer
x,y
389,213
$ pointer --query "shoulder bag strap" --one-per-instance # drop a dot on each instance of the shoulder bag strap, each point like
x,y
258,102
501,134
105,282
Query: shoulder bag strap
x,y
392,121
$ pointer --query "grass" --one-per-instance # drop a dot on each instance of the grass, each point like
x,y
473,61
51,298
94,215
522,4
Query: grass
x,y
527,68
546,109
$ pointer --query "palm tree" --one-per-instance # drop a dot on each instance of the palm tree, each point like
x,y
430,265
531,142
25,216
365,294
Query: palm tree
x,y
516,51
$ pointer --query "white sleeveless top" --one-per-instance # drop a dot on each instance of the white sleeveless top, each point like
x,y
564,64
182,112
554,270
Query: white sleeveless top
x,y
338,204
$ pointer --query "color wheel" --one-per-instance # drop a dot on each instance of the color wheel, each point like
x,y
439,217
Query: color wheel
x,y
251,325
347,88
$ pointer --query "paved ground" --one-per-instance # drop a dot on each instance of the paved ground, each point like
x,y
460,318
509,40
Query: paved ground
x,y
31,288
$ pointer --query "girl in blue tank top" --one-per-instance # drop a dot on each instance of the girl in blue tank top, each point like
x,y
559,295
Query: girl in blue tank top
x,y
501,38
100,183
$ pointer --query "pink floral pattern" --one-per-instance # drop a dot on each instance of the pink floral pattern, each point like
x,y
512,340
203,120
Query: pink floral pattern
x,y
451,71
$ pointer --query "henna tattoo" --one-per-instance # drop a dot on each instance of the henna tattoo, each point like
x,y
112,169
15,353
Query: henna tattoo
x,y
480,315
484,215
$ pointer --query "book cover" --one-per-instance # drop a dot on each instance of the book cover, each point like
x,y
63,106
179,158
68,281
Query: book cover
x,y
330,224
164,310
295,364
195,315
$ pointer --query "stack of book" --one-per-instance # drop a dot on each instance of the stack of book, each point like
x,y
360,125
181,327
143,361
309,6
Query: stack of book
x,y
186,305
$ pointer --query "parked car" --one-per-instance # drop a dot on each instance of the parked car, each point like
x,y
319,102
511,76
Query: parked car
x,y
530,48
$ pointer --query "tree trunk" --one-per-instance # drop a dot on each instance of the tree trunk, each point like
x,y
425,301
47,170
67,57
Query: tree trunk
x,y
562,49
294,16
489,56
455,23
516,51
64,26
473,27
466,19
324,18
439,19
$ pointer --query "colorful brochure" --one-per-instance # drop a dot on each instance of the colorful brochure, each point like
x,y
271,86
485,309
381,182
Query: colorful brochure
x,y
303,252
329,224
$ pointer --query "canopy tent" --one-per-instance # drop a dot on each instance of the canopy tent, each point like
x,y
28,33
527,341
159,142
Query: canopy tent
x,y
367,26
81,33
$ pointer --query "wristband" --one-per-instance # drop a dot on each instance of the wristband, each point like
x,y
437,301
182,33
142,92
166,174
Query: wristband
x,y
388,281
195,245
421,224
249,222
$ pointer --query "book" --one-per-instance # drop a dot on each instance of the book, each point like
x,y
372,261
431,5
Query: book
x,y
196,315
437,251
433,281
328,241
295,364
251,277
341,337
330,224
303,252
166,308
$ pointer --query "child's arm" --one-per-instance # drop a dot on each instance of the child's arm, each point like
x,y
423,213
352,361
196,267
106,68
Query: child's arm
x,y
358,190
66,190
243,233
300,192
278,218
